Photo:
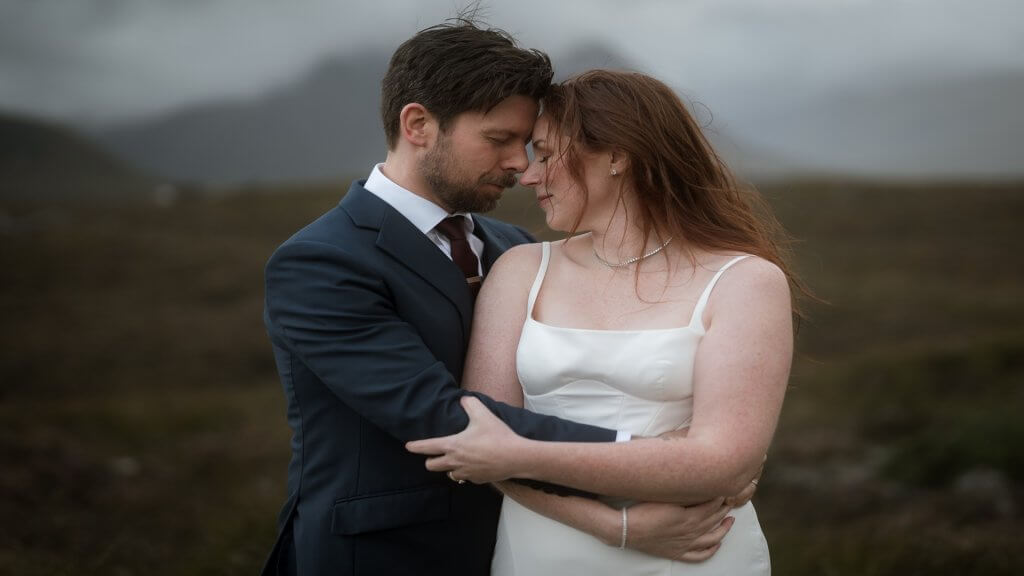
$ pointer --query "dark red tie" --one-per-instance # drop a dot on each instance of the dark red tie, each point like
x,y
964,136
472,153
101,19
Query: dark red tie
x,y
454,228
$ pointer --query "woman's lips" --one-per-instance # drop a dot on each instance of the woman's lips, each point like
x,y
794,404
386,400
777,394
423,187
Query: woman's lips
x,y
542,198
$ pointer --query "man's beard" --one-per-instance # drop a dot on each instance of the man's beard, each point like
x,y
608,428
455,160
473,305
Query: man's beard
x,y
455,193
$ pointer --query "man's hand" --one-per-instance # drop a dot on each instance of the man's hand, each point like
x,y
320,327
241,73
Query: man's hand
x,y
681,533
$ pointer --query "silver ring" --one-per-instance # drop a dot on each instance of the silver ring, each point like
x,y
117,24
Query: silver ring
x,y
754,481
453,479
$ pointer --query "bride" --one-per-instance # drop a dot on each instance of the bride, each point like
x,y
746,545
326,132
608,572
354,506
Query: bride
x,y
671,312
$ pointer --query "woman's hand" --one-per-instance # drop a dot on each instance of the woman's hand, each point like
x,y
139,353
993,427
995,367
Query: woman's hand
x,y
681,533
484,452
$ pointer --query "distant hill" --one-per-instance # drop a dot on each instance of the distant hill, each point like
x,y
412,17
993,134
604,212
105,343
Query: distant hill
x,y
43,160
965,127
325,126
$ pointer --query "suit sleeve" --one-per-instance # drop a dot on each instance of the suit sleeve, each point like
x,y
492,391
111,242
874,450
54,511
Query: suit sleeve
x,y
335,314
526,236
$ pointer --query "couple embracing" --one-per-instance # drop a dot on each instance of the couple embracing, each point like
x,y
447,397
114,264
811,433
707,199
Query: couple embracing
x,y
465,401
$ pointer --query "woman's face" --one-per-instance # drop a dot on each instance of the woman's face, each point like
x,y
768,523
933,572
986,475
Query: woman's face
x,y
558,193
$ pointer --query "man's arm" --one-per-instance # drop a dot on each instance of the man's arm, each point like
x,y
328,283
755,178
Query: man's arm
x,y
333,311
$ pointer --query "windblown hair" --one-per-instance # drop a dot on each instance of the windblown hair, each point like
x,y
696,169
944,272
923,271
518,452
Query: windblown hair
x,y
458,67
683,188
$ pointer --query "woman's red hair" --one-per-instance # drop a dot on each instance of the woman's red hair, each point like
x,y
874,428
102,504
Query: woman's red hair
x,y
683,188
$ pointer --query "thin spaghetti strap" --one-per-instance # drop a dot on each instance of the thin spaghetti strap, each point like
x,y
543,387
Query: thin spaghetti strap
x,y
698,311
545,251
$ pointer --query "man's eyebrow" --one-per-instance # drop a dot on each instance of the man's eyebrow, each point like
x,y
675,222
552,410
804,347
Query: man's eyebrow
x,y
504,133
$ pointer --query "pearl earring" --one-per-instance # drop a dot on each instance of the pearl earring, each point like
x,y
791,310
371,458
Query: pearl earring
x,y
615,172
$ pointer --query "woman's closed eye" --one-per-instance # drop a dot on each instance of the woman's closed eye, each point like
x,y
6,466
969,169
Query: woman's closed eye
x,y
540,153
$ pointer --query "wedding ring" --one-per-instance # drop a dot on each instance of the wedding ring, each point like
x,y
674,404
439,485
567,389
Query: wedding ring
x,y
453,479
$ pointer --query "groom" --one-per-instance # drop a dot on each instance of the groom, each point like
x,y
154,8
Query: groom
x,y
369,307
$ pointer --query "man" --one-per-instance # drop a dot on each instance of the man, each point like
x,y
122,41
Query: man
x,y
369,308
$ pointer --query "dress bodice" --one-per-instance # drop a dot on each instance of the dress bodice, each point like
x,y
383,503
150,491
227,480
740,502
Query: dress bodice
x,y
639,381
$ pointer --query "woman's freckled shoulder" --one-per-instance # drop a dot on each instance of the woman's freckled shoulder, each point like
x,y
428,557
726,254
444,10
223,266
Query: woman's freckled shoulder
x,y
757,282
751,277
513,273
764,273
518,259
752,286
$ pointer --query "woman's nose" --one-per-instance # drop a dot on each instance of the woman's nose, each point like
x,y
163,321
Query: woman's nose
x,y
532,176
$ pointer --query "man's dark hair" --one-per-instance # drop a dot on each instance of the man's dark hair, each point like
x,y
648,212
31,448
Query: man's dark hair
x,y
458,67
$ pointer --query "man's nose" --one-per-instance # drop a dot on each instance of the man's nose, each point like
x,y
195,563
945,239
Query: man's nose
x,y
517,160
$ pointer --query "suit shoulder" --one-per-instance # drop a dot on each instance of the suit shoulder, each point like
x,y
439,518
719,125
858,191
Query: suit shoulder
x,y
327,228
333,232
333,228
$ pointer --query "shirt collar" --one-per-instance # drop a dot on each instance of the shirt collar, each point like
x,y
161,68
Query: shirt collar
x,y
423,213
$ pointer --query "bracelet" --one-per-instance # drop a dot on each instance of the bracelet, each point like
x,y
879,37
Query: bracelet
x,y
625,529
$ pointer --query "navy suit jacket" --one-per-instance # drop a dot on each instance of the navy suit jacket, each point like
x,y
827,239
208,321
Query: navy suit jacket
x,y
369,323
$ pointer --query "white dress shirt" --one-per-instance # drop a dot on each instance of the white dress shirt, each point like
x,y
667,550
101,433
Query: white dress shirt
x,y
425,215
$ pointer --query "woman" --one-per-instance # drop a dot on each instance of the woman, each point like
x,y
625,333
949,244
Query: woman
x,y
672,311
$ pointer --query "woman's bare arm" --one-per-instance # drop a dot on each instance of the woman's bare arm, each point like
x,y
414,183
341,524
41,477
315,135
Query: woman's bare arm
x,y
740,376
669,531
686,534
497,324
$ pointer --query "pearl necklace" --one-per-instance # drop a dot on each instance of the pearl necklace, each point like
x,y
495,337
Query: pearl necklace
x,y
633,259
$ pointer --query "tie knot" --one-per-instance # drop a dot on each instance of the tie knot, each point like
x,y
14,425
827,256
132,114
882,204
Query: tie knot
x,y
453,227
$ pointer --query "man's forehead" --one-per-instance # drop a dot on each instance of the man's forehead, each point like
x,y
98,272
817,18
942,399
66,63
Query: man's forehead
x,y
515,107
517,117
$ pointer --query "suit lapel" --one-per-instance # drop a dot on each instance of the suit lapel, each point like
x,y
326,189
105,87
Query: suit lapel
x,y
411,248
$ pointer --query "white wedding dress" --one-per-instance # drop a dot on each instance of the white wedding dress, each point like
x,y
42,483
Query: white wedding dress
x,y
639,381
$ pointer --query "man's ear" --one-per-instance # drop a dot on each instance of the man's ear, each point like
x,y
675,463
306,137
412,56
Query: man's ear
x,y
417,125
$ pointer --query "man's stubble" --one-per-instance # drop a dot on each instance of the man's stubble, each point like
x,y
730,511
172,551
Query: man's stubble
x,y
458,193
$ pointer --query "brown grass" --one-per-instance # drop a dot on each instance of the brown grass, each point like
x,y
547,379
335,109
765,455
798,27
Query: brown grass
x,y
143,427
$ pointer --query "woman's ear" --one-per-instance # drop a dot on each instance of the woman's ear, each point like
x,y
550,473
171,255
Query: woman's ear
x,y
417,125
619,163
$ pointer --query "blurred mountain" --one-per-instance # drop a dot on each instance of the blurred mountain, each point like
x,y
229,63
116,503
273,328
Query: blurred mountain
x,y
966,127
44,160
325,126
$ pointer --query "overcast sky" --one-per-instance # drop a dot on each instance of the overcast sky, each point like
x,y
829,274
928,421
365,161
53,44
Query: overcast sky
x,y
101,60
